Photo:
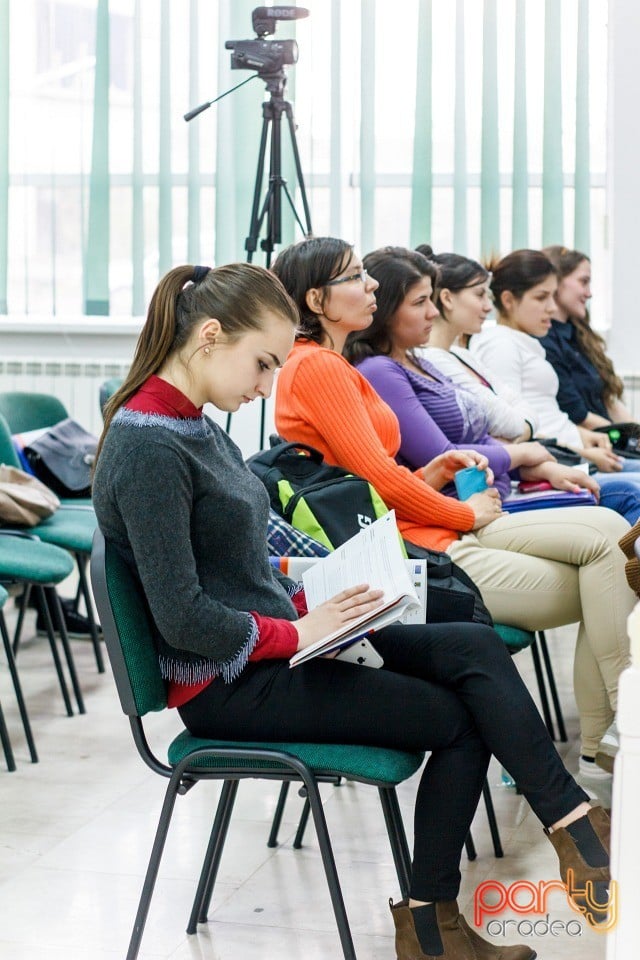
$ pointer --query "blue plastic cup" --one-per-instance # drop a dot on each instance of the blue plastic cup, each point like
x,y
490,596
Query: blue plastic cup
x,y
468,481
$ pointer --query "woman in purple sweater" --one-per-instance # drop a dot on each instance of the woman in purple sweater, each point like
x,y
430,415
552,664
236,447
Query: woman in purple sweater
x,y
434,414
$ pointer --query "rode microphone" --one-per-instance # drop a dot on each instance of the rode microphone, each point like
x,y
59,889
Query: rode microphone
x,y
264,19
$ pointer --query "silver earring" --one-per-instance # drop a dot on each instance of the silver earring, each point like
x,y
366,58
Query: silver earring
x,y
207,350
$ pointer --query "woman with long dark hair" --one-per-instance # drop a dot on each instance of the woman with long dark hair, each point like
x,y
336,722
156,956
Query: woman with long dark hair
x,y
589,390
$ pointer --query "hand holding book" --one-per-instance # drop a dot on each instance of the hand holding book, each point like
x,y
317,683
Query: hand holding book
x,y
337,613
379,590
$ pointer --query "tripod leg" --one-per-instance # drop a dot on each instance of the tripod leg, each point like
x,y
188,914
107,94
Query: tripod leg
x,y
298,165
251,243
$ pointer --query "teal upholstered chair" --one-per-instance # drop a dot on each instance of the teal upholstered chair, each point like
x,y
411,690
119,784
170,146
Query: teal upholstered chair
x,y
127,633
40,567
29,411
71,527
107,390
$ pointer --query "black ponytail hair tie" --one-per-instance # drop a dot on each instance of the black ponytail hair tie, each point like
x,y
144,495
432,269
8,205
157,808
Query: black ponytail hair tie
x,y
199,273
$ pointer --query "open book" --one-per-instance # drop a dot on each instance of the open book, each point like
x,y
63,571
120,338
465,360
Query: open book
x,y
543,499
373,556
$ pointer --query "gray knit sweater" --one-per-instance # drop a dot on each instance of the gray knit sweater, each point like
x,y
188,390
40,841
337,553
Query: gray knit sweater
x,y
177,500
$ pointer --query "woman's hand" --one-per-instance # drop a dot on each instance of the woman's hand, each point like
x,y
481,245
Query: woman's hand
x,y
592,439
335,613
562,478
442,469
487,506
605,460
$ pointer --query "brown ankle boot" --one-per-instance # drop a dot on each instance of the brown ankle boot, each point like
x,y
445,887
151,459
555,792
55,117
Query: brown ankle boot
x,y
571,858
569,855
459,940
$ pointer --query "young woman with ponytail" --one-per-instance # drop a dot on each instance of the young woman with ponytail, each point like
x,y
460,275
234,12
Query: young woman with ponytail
x,y
173,495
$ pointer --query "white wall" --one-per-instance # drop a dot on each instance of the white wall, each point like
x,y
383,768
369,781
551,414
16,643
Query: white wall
x,y
623,185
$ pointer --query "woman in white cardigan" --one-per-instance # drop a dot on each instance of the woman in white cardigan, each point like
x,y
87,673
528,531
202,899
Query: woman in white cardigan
x,y
464,303
523,286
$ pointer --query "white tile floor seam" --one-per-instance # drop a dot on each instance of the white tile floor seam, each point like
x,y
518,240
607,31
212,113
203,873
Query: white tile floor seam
x,y
76,831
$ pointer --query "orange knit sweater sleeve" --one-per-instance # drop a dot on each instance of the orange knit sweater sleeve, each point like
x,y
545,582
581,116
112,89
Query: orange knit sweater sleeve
x,y
323,401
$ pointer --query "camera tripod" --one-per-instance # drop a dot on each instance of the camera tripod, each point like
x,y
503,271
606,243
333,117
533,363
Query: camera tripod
x,y
271,209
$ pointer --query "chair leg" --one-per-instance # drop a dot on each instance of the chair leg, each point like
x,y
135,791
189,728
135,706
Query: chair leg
x,y
22,609
397,837
304,816
491,817
302,824
83,586
13,670
470,847
153,866
213,855
331,873
542,690
42,602
54,600
553,690
6,744
277,816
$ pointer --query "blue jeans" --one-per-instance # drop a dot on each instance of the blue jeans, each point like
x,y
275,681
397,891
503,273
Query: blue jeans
x,y
620,494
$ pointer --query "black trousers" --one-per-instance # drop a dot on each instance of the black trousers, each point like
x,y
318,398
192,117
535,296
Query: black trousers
x,y
449,688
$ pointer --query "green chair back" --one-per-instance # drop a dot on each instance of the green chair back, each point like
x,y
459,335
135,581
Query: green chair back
x,y
29,411
107,390
8,453
126,627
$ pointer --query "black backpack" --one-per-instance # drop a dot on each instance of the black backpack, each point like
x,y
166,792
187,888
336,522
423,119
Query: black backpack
x,y
331,505
327,503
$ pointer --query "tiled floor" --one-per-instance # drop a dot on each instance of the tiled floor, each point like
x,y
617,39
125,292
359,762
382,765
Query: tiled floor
x,y
76,830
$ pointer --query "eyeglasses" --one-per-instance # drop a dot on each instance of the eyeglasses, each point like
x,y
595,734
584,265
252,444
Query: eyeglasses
x,y
360,275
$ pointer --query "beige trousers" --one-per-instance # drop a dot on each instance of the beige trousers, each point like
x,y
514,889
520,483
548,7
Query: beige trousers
x,y
546,568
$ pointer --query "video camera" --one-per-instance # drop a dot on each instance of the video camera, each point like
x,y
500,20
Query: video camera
x,y
267,57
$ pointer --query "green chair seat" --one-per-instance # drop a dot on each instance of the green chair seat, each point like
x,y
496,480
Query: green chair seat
x,y
24,559
353,762
70,529
514,638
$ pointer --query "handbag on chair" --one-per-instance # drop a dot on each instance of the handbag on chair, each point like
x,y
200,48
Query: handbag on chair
x,y
24,500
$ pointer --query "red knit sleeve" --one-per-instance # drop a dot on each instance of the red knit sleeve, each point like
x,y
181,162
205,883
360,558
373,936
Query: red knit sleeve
x,y
278,639
329,394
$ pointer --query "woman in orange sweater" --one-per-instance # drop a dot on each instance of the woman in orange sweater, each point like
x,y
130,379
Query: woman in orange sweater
x,y
536,570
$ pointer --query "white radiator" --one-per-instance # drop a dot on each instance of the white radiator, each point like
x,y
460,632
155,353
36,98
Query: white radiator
x,y
75,383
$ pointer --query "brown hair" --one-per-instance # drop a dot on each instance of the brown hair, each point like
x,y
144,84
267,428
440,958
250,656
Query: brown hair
x,y
518,272
238,295
397,270
311,263
590,343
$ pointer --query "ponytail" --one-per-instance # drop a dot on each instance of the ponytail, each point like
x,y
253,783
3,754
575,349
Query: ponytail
x,y
238,295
